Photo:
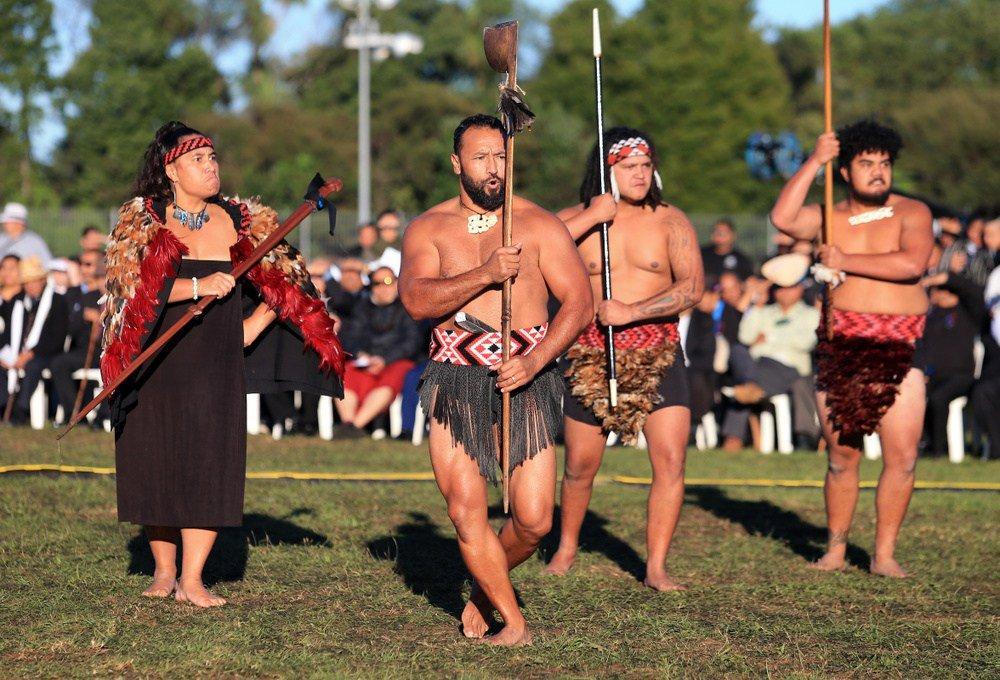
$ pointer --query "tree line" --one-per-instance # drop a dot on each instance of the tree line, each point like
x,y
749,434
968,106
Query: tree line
x,y
698,75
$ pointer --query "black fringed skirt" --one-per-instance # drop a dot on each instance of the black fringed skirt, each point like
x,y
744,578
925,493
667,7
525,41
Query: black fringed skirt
x,y
465,400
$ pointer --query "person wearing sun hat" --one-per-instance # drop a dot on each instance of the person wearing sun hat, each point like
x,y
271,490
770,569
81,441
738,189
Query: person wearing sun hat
x,y
17,239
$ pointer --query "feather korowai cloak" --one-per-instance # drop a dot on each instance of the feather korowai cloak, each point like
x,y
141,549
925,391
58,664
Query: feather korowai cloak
x,y
298,352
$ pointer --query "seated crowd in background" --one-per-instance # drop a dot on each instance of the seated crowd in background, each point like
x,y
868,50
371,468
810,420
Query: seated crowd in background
x,y
745,342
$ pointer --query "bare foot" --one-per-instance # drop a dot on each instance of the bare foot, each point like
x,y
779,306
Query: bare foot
x,y
561,562
887,567
197,594
477,615
162,586
509,637
829,562
661,582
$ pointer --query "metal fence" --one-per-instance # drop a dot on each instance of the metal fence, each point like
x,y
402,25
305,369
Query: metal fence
x,y
61,229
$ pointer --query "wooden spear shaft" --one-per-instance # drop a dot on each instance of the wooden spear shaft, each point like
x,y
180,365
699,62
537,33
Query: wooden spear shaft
x,y
827,233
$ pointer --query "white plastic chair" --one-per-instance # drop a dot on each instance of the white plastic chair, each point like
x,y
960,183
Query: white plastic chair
x,y
325,418
706,433
777,426
956,429
253,414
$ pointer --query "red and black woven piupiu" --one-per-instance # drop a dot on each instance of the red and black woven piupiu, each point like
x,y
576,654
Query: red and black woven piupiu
x,y
862,366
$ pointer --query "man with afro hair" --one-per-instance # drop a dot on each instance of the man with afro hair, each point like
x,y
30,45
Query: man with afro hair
x,y
868,378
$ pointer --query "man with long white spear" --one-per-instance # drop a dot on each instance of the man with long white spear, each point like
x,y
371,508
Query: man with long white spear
x,y
650,258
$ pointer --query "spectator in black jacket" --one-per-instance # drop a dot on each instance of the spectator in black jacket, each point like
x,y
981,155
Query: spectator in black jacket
x,y
721,254
84,312
953,322
38,332
342,293
699,348
385,343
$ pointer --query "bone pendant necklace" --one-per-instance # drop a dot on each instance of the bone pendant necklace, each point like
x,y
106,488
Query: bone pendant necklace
x,y
882,213
479,223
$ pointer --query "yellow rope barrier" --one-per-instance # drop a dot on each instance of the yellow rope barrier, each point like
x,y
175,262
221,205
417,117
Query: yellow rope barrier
x,y
811,483
428,477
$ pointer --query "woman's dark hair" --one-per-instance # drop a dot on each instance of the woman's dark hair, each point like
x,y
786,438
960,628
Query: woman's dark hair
x,y
865,136
591,185
152,181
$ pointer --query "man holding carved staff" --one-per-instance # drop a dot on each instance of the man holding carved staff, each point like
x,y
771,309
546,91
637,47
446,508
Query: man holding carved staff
x,y
453,261
868,378
656,273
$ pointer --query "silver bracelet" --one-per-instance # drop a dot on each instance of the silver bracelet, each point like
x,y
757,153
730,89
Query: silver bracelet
x,y
194,286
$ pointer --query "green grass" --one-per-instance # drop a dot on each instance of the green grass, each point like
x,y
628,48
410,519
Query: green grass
x,y
334,579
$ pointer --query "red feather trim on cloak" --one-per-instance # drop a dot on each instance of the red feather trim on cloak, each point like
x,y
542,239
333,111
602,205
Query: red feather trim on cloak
x,y
161,260
289,301
293,305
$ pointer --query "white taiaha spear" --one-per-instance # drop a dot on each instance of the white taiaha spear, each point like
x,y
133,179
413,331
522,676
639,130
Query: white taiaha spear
x,y
605,250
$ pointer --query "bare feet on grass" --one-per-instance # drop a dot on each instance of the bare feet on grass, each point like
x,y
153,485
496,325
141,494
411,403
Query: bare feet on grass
x,y
661,582
829,562
887,567
162,586
195,593
509,637
477,615
561,562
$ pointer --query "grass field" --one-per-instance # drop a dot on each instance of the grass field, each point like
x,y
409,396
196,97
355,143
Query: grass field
x,y
353,578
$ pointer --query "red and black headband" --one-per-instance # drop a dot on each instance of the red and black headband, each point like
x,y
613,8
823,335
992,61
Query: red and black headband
x,y
186,146
626,148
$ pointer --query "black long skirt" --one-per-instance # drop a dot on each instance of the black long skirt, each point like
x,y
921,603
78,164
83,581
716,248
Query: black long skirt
x,y
180,454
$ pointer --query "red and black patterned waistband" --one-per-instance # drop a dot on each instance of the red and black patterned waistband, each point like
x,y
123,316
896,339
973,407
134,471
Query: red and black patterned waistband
x,y
901,327
465,348
642,336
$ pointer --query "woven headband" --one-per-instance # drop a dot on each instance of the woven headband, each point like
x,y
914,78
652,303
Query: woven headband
x,y
189,145
626,148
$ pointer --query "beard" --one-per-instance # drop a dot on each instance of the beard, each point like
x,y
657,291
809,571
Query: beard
x,y
871,197
480,195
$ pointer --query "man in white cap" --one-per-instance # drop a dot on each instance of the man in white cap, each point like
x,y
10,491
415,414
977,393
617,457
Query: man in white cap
x,y
17,239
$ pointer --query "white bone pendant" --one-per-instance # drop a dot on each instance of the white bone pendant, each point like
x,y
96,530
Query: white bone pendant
x,y
883,213
480,224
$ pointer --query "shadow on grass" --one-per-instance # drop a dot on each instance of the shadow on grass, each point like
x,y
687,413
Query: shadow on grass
x,y
594,537
427,559
764,518
228,559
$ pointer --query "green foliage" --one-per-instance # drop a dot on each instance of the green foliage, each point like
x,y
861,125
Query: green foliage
x,y
695,74
27,42
143,68
930,67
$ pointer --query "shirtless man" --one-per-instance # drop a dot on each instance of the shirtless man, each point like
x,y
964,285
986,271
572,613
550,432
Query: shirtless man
x,y
453,260
867,378
656,273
